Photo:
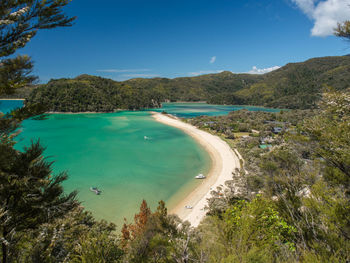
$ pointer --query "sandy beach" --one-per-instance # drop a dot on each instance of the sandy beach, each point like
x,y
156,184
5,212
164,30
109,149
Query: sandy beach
x,y
224,162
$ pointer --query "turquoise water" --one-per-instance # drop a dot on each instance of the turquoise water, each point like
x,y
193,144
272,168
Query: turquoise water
x,y
8,105
189,110
109,151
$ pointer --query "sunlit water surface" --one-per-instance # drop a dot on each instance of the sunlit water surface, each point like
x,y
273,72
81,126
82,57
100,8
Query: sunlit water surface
x,y
127,155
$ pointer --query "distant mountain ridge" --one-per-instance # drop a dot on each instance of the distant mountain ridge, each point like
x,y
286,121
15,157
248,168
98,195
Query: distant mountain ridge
x,y
295,85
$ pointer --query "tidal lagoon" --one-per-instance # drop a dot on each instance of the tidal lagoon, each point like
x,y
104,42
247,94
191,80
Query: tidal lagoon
x,y
194,109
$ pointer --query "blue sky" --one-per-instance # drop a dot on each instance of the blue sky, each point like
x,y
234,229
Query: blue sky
x,y
122,39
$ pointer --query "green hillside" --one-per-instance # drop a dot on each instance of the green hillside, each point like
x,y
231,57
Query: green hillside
x,y
296,85
198,88
90,93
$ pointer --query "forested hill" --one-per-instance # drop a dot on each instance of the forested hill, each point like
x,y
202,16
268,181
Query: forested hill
x,y
90,93
296,85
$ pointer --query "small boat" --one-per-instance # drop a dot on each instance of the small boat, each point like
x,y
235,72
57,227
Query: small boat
x,y
95,190
146,138
200,176
188,207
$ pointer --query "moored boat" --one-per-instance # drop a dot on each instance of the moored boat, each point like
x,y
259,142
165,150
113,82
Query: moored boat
x,y
95,190
200,176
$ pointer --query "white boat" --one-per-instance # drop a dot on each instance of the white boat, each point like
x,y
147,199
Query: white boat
x,y
146,138
188,207
95,190
200,176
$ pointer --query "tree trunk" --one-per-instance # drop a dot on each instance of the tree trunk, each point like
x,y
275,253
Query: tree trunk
x,y
4,248
4,253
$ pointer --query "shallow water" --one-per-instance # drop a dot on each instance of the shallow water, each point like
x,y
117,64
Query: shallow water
x,y
189,110
110,151
8,105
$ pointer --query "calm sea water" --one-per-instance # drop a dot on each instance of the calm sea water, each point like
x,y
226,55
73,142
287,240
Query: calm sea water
x,y
189,110
127,155
8,105
111,152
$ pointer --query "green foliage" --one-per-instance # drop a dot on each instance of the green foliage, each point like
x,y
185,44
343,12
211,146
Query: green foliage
x,y
88,93
29,194
301,215
15,73
10,122
331,131
343,30
294,86
160,238
97,247
74,237
248,232
304,176
299,85
20,21
245,121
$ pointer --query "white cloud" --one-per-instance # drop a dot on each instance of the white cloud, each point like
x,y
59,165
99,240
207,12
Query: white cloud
x,y
256,70
139,75
307,6
212,60
202,72
325,14
122,70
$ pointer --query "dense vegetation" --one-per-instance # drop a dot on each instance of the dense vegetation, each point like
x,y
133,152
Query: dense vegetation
x,y
89,93
299,85
288,202
296,85
20,93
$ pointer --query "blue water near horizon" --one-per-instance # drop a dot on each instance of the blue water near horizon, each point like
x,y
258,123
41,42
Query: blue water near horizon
x,y
179,109
190,109
7,105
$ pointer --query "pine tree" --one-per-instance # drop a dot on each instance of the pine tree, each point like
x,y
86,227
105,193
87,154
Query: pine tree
x,y
343,30
140,220
19,22
29,195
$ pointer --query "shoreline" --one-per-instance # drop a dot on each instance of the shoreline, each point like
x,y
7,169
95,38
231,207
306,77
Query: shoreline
x,y
224,162
69,112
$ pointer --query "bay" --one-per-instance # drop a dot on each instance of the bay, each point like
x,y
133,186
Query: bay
x,y
127,155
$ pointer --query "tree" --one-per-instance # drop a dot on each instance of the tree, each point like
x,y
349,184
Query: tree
x,y
15,73
343,30
133,231
248,231
19,22
159,237
331,131
29,194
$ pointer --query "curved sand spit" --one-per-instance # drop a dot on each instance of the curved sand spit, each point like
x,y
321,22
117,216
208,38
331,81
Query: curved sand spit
x,y
224,162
